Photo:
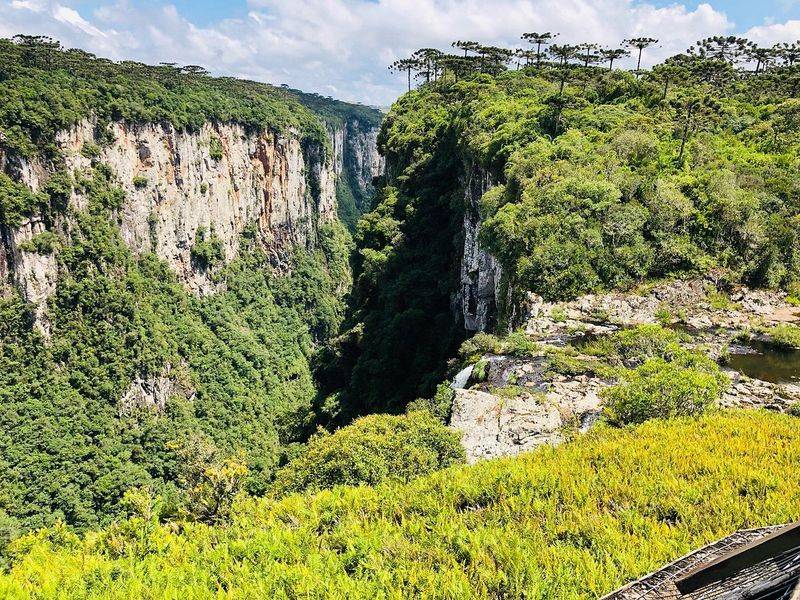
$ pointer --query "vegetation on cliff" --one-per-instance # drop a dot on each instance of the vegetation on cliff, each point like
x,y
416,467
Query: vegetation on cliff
x,y
575,521
48,88
584,179
72,446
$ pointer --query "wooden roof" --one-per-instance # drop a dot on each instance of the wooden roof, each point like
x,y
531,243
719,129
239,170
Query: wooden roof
x,y
757,564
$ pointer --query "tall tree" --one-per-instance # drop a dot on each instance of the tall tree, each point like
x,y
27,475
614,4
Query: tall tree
x,y
466,46
405,65
672,70
562,54
788,53
589,53
611,54
640,44
428,62
696,109
728,48
761,56
539,40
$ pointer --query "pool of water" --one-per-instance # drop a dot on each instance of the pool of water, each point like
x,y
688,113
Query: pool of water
x,y
762,361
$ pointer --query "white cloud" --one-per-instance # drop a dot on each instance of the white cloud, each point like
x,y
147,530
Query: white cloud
x,y
775,33
342,47
72,17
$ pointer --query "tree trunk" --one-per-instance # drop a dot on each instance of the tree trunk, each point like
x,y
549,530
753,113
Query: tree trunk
x,y
685,131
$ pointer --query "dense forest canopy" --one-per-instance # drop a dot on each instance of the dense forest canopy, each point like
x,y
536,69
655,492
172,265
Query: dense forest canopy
x,y
48,88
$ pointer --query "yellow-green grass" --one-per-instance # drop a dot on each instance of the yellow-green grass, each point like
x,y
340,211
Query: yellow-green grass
x,y
572,522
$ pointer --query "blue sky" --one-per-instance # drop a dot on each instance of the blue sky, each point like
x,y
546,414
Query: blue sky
x,y
342,47
749,14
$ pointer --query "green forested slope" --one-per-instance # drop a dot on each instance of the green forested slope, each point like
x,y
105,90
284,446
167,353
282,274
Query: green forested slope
x,y
607,183
238,361
570,522
242,355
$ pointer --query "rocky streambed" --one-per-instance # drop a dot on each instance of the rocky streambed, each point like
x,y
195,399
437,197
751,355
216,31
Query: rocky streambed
x,y
509,402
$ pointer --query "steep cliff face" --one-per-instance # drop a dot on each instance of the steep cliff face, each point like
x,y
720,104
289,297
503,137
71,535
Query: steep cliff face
x,y
478,297
184,187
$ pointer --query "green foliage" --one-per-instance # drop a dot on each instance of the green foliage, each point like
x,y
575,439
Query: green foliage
x,y
399,330
371,450
624,502
215,148
17,201
599,201
207,249
564,362
47,89
90,150
686,384
635,345
140,181
784,336
41,243
440,406
211,482
238,360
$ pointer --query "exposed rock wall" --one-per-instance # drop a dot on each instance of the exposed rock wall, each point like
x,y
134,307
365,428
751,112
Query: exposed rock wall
x,y
223,178
479,295
361,154
519,402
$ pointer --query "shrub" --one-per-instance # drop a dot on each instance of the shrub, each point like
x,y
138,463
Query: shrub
x,y
203,188
90,150
635,345
784,336
793,291
558,314
665,389
140,181
371,450
440,406
479,344
212,481
207,249
41,243
215,148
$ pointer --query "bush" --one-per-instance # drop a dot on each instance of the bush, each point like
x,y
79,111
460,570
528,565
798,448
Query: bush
x,y
207,251
635,345
371,450
215,148
140,181
440,406
90,150
41,243
784,336
660,389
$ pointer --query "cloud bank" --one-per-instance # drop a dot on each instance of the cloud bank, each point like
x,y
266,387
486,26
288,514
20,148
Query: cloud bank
x,y
342,47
